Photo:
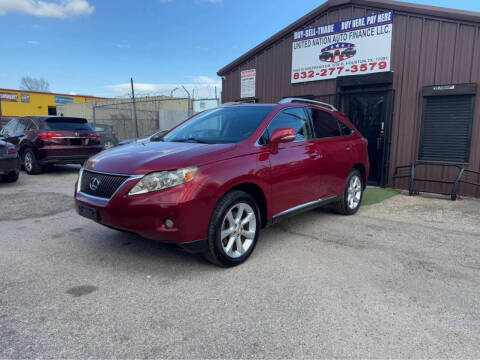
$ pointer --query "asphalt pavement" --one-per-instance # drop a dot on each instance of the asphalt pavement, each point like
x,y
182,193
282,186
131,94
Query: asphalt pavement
x,y
400,279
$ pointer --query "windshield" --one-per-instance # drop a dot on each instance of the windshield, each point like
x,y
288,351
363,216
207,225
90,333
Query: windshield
x,y
220,125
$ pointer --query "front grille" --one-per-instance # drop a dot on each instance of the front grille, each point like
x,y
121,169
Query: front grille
x,y
106,184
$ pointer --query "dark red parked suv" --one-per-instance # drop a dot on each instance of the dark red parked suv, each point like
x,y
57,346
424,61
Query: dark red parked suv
x,y
44,140
210,184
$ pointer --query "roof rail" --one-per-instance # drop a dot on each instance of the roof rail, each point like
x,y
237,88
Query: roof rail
x,y
232,103
292,100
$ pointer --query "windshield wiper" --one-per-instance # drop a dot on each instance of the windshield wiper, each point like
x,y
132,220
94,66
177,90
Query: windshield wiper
x,y
192,139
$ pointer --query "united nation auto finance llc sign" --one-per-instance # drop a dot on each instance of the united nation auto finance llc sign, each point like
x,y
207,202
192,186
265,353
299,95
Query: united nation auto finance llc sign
x,y
350,47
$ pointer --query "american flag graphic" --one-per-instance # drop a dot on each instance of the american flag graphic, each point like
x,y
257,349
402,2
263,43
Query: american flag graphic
x,y
338,52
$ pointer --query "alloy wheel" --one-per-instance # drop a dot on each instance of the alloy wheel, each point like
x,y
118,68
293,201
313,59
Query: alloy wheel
x,y
108,145
354,192
28,162
238,231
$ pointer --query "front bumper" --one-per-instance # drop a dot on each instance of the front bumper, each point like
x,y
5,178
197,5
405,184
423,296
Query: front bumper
x,y
146,214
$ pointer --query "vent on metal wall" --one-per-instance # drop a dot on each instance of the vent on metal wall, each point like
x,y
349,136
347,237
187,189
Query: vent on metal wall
x,y
446,128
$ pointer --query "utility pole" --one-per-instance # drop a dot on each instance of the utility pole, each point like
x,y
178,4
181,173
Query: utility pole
x,y
135,124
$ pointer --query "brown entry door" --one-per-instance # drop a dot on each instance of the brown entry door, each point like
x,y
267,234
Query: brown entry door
x,y
371,112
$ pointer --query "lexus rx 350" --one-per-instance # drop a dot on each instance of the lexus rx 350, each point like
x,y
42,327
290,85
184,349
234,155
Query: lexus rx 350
x,y
216,179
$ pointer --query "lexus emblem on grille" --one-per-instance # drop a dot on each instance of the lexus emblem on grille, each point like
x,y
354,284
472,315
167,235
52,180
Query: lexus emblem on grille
x,y
94,184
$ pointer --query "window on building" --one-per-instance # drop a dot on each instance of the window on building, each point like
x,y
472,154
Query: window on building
x,y
52,110
294,118
325,125
446,128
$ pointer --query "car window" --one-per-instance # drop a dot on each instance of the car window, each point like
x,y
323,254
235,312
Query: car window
x,y
9,129
345,130
325,125
25,124
292,118
21,127
34,124
67,124
213,125
228,124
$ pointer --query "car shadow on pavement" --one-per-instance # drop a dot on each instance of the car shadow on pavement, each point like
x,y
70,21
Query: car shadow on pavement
x,y
58,170
132,253
271,237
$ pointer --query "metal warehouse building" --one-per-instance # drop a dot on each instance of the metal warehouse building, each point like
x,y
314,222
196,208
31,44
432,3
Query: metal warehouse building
x,y
405,74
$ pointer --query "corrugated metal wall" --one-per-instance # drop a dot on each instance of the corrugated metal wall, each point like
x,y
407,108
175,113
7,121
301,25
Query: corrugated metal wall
x,y
425,51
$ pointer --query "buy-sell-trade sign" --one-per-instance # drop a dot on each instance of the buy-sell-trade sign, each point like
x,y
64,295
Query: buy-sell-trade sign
x,y
350,47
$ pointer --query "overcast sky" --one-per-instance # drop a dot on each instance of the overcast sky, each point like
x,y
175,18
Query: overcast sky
x,y
95,46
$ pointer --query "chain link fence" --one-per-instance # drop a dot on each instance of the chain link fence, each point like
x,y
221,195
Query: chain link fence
x,y
128,119
142,118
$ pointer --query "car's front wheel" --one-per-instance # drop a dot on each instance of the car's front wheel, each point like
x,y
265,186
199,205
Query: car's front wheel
x,y
352,197
234,229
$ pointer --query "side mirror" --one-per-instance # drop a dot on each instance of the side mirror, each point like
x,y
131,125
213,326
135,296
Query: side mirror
x,y
158,136
283,135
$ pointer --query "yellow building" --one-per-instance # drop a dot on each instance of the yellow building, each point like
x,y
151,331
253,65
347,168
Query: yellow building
x,y
15,103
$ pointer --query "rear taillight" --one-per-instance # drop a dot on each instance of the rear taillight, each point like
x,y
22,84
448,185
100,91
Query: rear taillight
x,y
11,149
94,136
49,135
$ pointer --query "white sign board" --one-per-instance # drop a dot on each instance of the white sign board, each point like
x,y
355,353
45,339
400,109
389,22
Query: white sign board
x,y
350,47
247,83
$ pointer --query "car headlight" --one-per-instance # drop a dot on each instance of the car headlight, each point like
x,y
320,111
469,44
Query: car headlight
x,y
163,180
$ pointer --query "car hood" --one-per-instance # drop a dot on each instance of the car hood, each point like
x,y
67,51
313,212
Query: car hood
x,y
143,158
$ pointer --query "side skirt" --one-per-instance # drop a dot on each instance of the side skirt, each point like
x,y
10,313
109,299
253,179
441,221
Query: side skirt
x,y
302,208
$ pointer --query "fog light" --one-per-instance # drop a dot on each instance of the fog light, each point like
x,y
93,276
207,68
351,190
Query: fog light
x,y
169,224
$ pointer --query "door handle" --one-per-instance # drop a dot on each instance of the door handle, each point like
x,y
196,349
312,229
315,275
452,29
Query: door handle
x,y
316,156
348,148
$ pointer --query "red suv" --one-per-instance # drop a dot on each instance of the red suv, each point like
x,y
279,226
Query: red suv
x,y
45,140
210,184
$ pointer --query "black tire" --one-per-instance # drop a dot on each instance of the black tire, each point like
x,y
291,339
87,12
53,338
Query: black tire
x,y
342,205
34,167
11,177
216,253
